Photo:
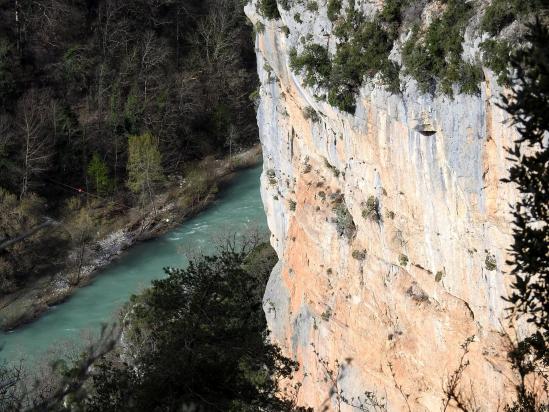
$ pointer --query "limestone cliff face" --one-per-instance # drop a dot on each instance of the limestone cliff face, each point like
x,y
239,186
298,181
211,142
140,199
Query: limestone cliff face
x,y
404,292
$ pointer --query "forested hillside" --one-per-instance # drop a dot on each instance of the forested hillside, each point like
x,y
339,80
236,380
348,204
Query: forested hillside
x,y
101,103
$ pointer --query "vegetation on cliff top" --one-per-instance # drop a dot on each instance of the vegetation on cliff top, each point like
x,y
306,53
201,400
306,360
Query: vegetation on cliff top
x,y
362,52
432,55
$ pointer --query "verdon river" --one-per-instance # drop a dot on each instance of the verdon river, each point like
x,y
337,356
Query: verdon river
x,y
237,210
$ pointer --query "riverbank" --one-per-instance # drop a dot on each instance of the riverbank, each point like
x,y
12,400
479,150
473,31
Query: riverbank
x,y
181,199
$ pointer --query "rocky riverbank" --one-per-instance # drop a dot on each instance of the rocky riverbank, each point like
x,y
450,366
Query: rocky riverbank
x,y
181,199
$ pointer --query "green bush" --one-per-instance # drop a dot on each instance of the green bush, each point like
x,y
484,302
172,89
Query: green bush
x,y
98,172
334,8
259,27
371,210
417,61
312,6
496,57
439,275
363,55
499,14
403,260
490,262
390,75
271,176
344,221
391,16
471,76
310,114
326,315
314,61
359,254
434,57
269,9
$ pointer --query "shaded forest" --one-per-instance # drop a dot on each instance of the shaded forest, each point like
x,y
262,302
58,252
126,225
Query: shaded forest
x,y
78,78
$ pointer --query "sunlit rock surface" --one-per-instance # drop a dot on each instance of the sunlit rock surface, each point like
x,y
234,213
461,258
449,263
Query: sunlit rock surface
x,y
401,296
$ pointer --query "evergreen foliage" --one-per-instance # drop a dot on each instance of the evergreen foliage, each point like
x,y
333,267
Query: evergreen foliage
x,y
345,224
528,107
269,9
315,62
334,8
363,52
201,341
496,57
144,163
433,57
371,210
501,13
99,175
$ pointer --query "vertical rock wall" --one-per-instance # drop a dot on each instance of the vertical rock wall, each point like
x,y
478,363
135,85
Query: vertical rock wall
x,y
401,295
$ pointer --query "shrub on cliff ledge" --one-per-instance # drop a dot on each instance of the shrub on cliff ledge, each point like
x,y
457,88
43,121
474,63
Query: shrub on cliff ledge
x,y
344,220
433,56
311,114
314,61
501,13
269,9
334,8
363,52
371,210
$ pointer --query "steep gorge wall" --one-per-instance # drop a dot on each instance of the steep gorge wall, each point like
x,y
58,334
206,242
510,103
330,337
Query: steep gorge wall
x,y
402,295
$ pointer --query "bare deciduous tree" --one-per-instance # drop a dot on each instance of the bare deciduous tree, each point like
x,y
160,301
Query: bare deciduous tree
x,y
214,34
35,147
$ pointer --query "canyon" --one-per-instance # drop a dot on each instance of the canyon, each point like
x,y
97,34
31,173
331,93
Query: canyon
x,y
391,226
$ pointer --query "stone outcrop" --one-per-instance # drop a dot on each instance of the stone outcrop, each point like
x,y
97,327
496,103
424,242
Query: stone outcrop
x,y
391,226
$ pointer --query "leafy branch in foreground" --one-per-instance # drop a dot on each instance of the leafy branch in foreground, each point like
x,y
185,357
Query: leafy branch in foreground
x,y
368,401
528,107
59,384
199,338
453,393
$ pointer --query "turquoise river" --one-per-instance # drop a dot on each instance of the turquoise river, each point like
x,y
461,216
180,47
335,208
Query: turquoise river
x,y
238,209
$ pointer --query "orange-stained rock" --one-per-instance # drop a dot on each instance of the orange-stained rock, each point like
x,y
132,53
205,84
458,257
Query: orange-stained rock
x,y
400,297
